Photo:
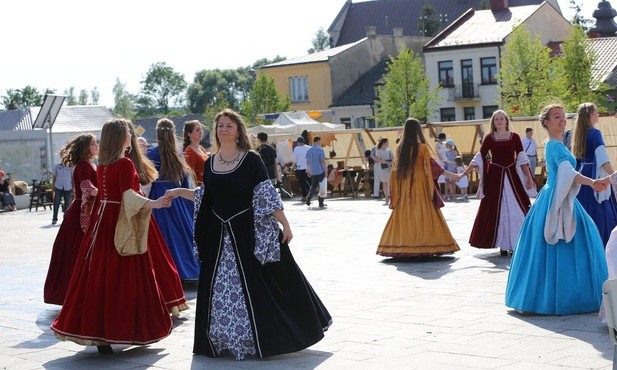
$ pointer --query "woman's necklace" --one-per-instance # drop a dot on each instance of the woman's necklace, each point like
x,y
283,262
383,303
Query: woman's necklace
x,y
229,163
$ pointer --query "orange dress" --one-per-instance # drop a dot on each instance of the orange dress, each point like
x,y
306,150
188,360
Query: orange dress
x,y
415,226
196,162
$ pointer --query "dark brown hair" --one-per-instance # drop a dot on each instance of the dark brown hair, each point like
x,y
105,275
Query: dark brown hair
x,y
76,150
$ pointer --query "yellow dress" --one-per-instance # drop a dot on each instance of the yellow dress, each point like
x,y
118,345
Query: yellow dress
x,y
415,227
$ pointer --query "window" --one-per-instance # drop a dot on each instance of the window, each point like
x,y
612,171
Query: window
x,y
489,70
347,122
448,114
469,113
488,110
467,78
446,73
298,88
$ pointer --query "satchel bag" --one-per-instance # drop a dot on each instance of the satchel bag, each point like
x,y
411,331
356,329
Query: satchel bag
x,y
131,235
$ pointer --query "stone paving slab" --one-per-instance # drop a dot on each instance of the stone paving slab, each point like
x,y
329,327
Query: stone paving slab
x,y
431,313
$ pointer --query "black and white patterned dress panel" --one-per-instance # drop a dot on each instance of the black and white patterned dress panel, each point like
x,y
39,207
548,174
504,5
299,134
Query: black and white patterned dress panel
x,y
265,201
199,194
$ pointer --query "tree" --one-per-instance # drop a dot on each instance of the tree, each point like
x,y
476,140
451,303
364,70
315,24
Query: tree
x,y
265,97
234,86
574,70
95,95
406,91
578,19
484,4
123,101
162,87
70,96
429,20
320,42
83,97
525,74
29,96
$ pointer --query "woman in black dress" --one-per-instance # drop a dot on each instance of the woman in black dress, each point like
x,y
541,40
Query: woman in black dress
x,y
252,298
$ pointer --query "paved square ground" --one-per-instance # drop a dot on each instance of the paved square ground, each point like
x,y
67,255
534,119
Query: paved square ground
x,y
433,313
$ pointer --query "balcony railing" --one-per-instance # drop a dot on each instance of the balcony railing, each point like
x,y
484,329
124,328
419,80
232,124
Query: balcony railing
x,y
464,92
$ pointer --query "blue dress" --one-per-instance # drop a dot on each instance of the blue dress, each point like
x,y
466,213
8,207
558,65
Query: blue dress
x,y
175,222
560,279
604,214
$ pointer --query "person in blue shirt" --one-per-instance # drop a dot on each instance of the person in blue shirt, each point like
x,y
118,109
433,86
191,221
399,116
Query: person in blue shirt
x,y
62,178
316,168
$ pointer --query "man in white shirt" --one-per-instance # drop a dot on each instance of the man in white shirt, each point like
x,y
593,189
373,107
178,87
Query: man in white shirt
x,y
299,159
376,170
531,149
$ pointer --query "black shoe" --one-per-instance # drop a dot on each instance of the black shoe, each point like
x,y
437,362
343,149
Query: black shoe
x,y
53,222
503,252
322,205
308,201
105,350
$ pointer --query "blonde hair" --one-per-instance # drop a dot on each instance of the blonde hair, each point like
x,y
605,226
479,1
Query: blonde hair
x,y
583,123
113,136
493,127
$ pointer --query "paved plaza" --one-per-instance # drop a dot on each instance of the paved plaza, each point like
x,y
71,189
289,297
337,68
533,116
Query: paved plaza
x,y
433,313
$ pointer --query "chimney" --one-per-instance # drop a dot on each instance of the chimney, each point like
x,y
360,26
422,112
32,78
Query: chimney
x,y
499,5
398,31
371,31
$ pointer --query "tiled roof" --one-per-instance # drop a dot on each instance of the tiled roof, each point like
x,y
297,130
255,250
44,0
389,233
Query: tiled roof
x,y
483,27
362,92
320,56
605,66
388,14
78,118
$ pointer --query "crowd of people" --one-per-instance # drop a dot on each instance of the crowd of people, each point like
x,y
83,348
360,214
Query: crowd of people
x,y
145,219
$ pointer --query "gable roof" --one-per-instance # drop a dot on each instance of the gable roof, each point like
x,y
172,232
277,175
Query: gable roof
x,y
78,118
10,119
482,27
385,15
362,92
320,56
605,65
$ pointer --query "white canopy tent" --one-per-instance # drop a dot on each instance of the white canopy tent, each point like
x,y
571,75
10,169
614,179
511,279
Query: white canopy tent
x,y
293,123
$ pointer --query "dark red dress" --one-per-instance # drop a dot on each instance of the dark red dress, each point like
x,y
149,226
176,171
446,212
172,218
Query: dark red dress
x,y
112,298
503,191
68,239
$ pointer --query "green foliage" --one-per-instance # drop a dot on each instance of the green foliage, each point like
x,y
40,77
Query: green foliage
x,y
578,19
232,85
574,70
406,91
95,95
161,88
70,96
320,42
27,97
83,97
266,98
123,101
428,24
484,4
525,74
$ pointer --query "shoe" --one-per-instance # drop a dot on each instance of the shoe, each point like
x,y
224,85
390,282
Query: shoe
x,y
503,252
308,201
105,350
322,205
53,222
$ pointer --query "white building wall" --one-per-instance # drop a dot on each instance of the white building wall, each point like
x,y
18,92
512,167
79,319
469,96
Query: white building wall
x,y
489,94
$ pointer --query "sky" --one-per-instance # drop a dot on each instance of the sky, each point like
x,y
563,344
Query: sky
x,y
86,44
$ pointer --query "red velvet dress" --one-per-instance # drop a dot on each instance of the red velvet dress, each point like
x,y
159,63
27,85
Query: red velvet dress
x,y
501,184
68,239
112,298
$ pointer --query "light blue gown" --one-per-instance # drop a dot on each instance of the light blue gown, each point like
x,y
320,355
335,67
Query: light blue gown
x,y
175,222
560,279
